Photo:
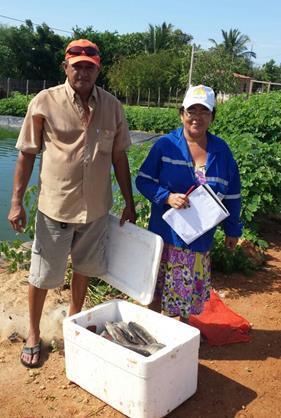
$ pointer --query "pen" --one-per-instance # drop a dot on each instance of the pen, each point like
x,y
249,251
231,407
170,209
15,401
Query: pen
x,y
190,190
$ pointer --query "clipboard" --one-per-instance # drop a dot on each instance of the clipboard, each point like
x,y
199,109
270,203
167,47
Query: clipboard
x,y
205,212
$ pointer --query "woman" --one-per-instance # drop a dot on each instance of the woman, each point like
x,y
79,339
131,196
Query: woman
x,y
183,159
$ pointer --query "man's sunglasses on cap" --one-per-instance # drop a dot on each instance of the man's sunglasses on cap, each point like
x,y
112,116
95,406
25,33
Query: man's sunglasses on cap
x,y
78,50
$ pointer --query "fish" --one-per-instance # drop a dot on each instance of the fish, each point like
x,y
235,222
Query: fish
x,y
106,335
132,337
154,347
141,332
144,349
140,349
115,332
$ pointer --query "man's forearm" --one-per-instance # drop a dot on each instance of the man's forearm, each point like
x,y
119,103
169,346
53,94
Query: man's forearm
x,y
23,170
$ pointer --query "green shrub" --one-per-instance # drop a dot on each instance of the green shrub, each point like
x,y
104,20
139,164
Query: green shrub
x,y
150,119
227,261
136,156
16,105
260,115
260,171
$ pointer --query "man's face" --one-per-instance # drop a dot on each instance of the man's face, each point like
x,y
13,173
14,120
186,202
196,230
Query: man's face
x,y
81,76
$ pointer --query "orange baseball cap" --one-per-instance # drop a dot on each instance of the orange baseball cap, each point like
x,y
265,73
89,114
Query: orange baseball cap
x,y
82,50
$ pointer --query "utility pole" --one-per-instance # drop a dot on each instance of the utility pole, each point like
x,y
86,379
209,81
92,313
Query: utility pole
x,y
191,67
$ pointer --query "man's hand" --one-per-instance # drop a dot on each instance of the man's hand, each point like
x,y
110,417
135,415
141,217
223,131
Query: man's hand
x,y
17,217
128,214
230,242
177,200
24,166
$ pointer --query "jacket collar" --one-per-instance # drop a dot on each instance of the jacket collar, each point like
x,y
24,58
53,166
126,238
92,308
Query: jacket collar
x,y
214,143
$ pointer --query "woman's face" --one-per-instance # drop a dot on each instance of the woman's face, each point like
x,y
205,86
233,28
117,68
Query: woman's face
x,y
196,120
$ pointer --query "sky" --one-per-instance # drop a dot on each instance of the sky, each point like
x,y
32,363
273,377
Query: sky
x,y
204,19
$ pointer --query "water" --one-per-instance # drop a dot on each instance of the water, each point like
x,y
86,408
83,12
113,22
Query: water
x,y
8,156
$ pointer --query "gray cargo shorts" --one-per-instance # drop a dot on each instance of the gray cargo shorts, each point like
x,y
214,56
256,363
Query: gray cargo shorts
x,y
54,241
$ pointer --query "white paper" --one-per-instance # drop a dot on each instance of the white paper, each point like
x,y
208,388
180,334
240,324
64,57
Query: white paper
x,y
205,211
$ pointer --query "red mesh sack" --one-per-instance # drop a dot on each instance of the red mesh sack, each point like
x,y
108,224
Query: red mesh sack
x,y
219,324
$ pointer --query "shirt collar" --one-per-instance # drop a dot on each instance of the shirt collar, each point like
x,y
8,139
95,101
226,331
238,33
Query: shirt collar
x,y
73,95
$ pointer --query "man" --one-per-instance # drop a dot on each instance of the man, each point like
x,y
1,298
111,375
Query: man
x,y
80,131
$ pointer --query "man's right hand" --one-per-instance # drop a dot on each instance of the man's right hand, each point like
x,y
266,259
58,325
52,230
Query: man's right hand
x,y
17,217
24,166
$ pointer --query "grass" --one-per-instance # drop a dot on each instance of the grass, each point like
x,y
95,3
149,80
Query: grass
x,y
8,133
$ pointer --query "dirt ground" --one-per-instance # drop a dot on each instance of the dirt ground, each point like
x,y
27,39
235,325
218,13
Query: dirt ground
x,y
236,380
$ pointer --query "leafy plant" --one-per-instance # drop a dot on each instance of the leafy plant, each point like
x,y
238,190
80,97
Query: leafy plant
x,y
100,291
30,201
258,114
16,256
136,155
15,105
226,261
260,167
152,119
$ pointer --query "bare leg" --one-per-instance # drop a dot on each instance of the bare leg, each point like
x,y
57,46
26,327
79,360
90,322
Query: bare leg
x,y
36,299
79,287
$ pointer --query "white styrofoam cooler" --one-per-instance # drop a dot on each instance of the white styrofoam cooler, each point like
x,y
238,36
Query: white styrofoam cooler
x,y
138,386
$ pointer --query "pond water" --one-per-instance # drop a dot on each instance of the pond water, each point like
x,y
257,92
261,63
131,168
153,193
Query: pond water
x,y
8,156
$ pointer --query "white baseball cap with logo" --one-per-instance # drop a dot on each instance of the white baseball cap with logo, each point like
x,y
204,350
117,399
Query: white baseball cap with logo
x,y
199,95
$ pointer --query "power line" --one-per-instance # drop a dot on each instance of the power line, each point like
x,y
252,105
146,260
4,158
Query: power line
x,y
35,24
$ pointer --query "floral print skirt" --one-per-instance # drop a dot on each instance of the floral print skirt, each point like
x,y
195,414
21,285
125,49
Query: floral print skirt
x,y
184,281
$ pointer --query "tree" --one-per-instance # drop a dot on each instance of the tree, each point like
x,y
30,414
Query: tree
x,y
8,67
131,44
270,71
215,68
32,54
234,43
144,72
163,36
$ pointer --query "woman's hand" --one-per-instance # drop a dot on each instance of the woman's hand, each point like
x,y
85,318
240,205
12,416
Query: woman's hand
x,y
230,242
177,200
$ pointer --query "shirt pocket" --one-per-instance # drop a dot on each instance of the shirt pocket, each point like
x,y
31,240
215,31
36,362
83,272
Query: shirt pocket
x,y
105,141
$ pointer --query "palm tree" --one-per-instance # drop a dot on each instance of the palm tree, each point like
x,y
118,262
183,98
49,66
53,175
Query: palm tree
x,y
158,37
234,42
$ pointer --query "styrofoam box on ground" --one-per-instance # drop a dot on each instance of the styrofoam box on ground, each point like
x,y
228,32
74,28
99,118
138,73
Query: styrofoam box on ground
x,y
138,386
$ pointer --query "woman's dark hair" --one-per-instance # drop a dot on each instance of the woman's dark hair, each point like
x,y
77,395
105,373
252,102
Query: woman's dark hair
x,y
181,110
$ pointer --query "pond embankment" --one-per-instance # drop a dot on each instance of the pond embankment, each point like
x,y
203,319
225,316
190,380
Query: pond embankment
x,y
11,122
14,123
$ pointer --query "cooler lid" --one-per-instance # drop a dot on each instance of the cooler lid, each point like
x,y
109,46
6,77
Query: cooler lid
x,y
133,257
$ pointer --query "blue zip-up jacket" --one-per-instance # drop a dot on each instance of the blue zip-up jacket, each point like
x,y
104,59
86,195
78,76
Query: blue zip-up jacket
x,y
168,168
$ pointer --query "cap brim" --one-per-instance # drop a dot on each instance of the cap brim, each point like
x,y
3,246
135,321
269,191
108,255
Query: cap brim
x,y
93,60
195,102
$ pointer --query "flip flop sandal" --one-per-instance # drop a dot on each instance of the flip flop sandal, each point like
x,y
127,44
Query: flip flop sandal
x,y
31,351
